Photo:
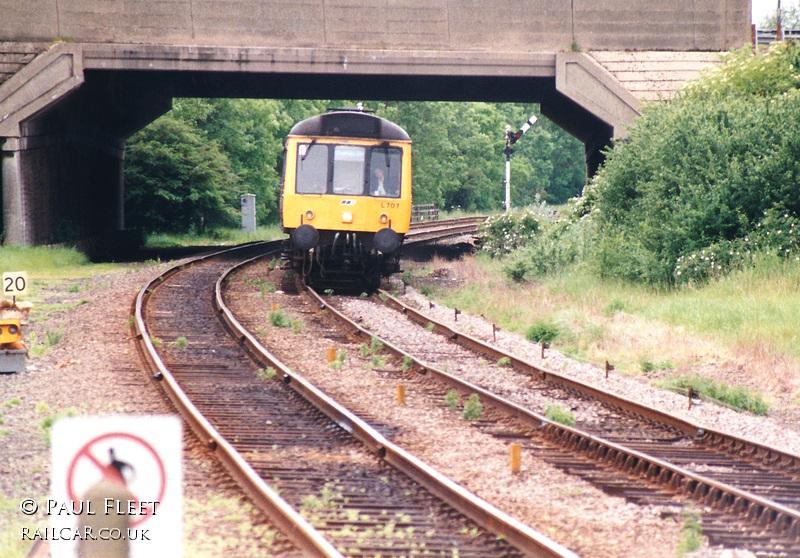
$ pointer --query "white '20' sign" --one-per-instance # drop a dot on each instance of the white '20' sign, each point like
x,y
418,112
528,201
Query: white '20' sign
x,y
15,283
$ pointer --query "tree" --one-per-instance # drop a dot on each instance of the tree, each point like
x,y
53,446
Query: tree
x,y
790,17
459,160
250,133
177,180
458,154
702,171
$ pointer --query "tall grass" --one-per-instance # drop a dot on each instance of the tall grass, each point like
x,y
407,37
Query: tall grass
x,y
754,307
751,314
45,262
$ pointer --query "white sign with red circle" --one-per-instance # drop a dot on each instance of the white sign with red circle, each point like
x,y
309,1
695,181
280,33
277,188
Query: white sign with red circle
x,y
139,456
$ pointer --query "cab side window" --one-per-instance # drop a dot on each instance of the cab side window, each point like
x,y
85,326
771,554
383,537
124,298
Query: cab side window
x,y
312,168
385,170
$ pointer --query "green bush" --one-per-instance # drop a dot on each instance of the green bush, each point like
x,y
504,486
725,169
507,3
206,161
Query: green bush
x,y
557,246
702,172
542,331
770,73
501,234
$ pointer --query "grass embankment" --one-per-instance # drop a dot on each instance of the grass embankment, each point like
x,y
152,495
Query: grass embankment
x,y
216,237
47,263
731,338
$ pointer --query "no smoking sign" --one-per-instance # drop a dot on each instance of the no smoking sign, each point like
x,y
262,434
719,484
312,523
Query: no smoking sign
x,y
116,478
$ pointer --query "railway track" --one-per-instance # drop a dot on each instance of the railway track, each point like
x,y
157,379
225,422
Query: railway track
x,y
749,491
357,494
438,230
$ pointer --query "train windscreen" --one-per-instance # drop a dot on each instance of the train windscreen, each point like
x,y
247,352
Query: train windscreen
x,y
348,169
353,167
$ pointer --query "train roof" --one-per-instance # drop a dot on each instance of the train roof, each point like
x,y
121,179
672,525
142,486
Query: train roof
x,y
350,124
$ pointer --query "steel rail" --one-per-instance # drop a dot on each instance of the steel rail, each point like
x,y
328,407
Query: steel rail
x,y
757,451
434,230
521,536
423,225
289,521
669,476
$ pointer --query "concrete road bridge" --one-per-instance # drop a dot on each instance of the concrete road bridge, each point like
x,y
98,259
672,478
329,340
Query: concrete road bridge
x,y
79,76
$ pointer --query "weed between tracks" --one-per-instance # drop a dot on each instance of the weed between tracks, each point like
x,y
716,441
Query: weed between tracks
x,y
691,532
472,408
279,318
556,414
327,508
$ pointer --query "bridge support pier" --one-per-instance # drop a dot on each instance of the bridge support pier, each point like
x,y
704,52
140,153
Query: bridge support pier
x,y
61,186
62,141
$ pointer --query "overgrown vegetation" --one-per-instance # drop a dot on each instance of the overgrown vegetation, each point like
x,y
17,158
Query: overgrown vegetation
x,y
692,224
212,236
473,408
50,418
703,185
735,397
542,331
49,263
559,415
452,399
691,532
264,374
338,362
279,318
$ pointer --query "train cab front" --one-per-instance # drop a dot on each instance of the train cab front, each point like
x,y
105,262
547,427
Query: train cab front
x,y
346,197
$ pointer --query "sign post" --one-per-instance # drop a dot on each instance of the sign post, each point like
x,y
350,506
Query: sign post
x,y
511,138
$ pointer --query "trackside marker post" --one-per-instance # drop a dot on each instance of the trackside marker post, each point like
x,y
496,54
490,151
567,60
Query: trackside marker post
x,y
516,458
401,394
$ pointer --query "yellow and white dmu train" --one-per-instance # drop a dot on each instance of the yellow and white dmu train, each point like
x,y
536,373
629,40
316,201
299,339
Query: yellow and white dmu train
x,y
346,197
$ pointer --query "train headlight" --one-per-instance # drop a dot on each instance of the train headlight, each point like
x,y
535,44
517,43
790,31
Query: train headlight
x,y
384,218
309,214
13,329
347,217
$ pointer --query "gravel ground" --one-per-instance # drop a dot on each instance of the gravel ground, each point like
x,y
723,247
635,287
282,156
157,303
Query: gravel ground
x,y
569,510
95,369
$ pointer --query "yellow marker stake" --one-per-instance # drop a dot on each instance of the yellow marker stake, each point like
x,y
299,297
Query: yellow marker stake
x,y
401,394
274,306
516,457
331,354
